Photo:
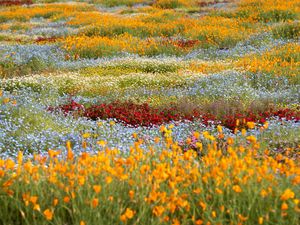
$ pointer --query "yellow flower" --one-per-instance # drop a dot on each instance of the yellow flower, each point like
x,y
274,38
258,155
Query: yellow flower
x,y
237,188
81,180
131,194
196,135
287,194
244,132
129,213
203,205
33,199
97,188
53,153
171,126
263,193
112,123
251,138
95,202
55,201
156,139
5,100
66,199
197,191
211,138
82,222
205,134
162,128
134,135
219,128
176,222
219,191
242,218
48,214
158,210
199,222
266,125
284,206
86,135
250,125
230,141
108,180
214,214
36,207
188,141
199,145
70,154
123,218
222,208
260,220
101,143
144,169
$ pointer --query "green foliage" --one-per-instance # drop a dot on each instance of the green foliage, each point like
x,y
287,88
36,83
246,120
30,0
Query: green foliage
x,y
142,32
148,66
100,51
113,3
17,85
9,69
3,19
18,27
277,15
3,37
287,30
170,4
113,71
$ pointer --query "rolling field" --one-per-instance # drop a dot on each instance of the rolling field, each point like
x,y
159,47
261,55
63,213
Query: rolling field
x,y
150,112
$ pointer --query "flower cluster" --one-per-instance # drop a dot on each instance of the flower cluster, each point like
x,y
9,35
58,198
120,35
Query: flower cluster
x,y
282,60
144,115
230,121
152,186
130,113
16,2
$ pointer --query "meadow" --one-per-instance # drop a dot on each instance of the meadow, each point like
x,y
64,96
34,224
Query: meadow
x,y
150,112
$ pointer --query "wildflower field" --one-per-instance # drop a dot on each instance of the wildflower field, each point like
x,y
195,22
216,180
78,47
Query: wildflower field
x,y
150,112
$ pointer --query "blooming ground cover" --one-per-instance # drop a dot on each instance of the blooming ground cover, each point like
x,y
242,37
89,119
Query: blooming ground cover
x,y
149,112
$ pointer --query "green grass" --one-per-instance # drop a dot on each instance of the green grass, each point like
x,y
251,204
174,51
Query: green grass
x,y
287,30
9,69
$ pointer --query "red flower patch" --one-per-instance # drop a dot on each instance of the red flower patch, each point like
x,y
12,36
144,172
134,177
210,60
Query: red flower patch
x,y
16,2
45,39
144,115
